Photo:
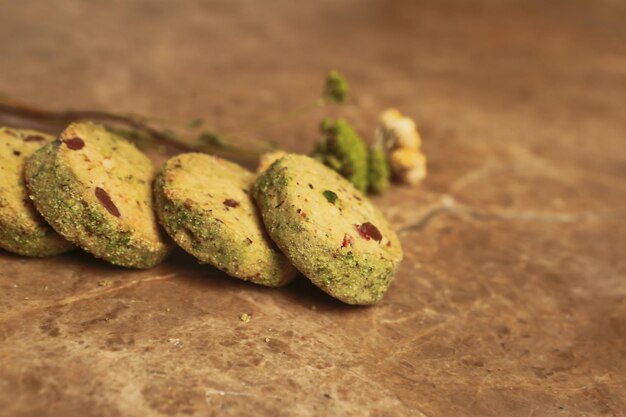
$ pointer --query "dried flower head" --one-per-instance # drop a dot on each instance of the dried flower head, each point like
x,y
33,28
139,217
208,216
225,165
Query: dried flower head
x,y
377,170
398,136
343,150
335,88
408,165
398,131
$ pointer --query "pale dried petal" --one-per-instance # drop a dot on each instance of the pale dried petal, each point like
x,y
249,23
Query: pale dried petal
x,y
408,165
397,131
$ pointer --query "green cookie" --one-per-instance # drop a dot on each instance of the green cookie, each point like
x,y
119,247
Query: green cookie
x,y
95,189
330,231
22,229
204,203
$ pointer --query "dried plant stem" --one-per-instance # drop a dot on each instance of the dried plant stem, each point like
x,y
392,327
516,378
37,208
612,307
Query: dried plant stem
x,y
56,120
228,145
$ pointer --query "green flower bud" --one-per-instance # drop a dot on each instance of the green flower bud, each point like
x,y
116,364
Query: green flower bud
x,y
378,170
336,88
343,151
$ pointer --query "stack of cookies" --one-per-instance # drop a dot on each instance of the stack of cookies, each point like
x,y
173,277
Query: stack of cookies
x,y
93,189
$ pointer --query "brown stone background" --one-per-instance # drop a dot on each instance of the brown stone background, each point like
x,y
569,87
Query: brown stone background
x,y
512,298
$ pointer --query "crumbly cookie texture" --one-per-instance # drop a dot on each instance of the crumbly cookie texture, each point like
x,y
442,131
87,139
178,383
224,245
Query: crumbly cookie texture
x,y
22,229
329,230
95,189
204,203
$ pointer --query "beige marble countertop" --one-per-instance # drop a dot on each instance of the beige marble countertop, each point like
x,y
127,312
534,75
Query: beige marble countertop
x,y
512,298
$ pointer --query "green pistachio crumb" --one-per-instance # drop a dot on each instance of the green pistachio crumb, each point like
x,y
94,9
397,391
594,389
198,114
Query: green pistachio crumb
x,y
330,196
104,282
245,317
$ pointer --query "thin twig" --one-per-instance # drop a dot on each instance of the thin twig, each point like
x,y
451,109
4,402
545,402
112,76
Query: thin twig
x,y
57,120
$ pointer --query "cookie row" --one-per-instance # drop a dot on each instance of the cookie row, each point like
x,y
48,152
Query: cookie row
x,y
97,191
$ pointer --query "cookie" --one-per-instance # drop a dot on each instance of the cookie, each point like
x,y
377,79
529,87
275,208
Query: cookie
x,y
95,189
328,229
22,229
204,204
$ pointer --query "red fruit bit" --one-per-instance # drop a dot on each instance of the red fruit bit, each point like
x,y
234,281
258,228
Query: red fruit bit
x,y
106,201
368,231
74,143
34,138
347,241
229,202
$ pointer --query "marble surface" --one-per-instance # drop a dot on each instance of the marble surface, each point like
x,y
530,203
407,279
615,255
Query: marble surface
x,y
512,298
